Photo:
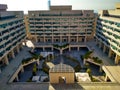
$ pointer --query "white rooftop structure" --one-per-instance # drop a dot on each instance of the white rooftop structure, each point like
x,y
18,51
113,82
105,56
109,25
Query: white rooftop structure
x,y
50,65
82,77
29,43
36,78
62,68
43,78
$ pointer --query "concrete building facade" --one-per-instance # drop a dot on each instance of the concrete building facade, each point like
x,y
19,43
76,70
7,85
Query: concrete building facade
x,y
108,32
12,33
61,24
26,21
62,73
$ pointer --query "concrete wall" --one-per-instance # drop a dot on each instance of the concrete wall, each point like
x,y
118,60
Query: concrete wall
x,y
54,77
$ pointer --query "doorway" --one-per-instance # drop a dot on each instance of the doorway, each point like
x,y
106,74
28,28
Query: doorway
x,y
62,79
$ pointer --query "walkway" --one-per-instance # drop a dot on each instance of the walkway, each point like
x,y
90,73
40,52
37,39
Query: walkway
x,y
99,53
11,68
110,68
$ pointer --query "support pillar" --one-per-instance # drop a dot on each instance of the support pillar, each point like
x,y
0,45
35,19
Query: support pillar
x,y
52,39
21,46
100,68
13,55
6,60
44,39
52,48
43,48
117,58
25,42
84,61
22,70
69,48
110,53
77,39
0,70
85,39
36,40
60,39
68,39
106,78
100,44
104,48
61,51
78,48
17,79
38,62
18,50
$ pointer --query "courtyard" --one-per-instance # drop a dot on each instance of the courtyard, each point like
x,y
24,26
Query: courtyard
x,y
72,58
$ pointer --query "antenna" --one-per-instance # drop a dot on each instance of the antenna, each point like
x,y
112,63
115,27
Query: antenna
x,y
49,4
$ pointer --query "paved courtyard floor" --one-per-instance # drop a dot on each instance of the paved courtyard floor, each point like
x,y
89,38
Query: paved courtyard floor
x,y
10,69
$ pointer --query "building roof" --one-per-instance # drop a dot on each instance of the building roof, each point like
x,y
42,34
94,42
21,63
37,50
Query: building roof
x,y
82,77
3,7
62,68
50,64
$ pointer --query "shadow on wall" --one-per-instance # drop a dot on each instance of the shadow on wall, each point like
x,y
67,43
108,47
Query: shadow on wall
x,y
62,86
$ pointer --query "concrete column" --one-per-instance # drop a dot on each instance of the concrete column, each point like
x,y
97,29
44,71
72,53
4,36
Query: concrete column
x,y
13,55
110,53
69,48
22,70
18,50
38,62
84,61
6,60
100,68
52,48
25,42
61,51
117,58
100,44
60,38
52,39
68,39
17,78
104,48
21,46
0,70
77,39
78,48
36,39
44,39
43,48
85,39
106,78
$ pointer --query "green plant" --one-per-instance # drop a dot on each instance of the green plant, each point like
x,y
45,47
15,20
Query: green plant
x,y
60,46
45,67
94,80
87,55
97,60
29,80
87,65
34,70
88,71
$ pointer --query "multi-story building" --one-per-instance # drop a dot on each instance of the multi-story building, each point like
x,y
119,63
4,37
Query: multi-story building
x,y
26,21
61,24
12,33
108,32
